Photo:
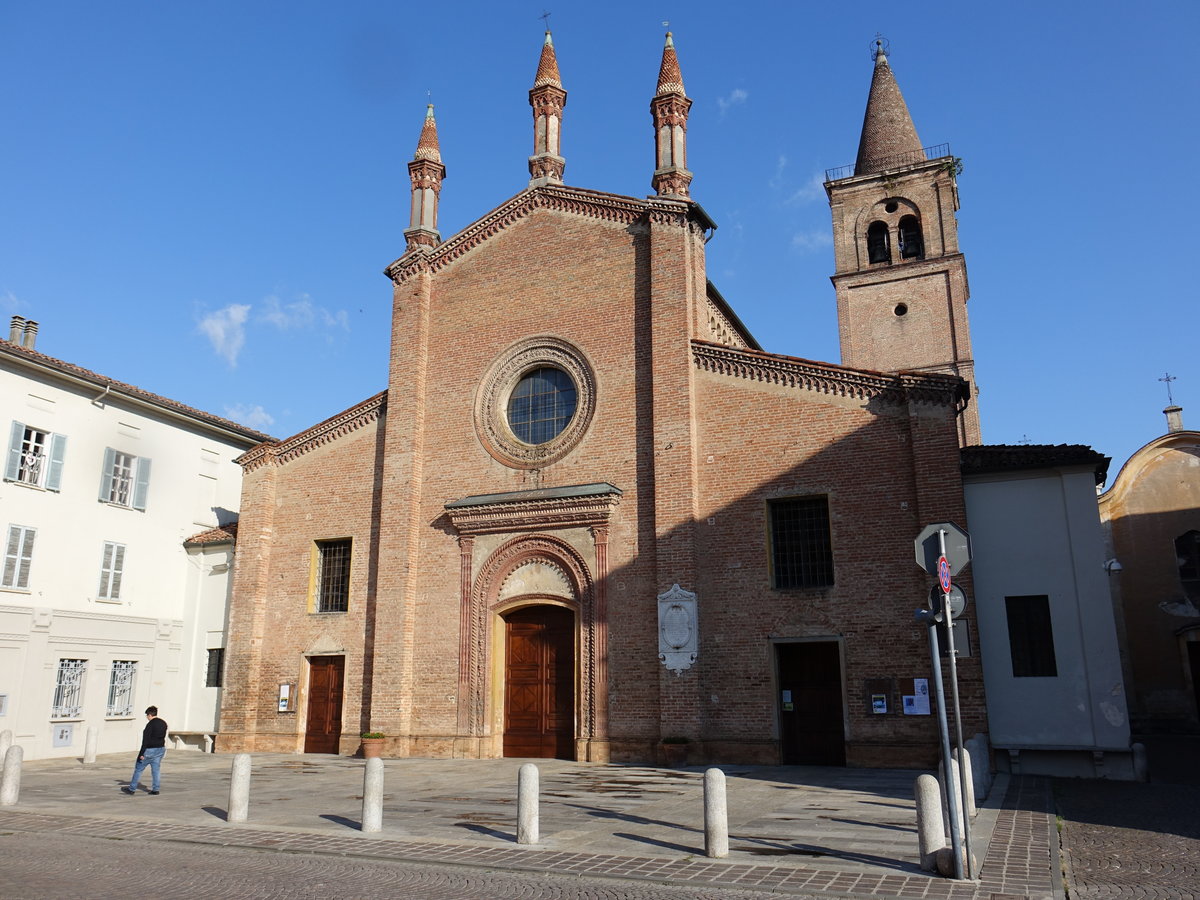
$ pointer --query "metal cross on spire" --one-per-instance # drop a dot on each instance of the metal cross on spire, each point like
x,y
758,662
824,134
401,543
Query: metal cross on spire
x,y
545,17
1168,378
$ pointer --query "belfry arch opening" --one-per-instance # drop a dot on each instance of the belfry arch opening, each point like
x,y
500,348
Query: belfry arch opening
x,y
912,244
879,249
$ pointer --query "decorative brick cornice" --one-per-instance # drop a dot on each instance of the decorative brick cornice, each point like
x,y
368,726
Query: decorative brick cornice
x,y
322,433
825,378
578,201
526,509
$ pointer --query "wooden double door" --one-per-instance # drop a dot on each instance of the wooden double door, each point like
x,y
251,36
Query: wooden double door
x,y
811,719
539,694
326,675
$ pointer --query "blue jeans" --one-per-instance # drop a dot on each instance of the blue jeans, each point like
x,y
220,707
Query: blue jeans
x,y
152,758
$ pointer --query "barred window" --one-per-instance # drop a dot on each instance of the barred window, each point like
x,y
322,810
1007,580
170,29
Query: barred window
x,y
124,479
68,689
18,557
112,569
1031,636
214,675
333,575
801,549
120,688
35,457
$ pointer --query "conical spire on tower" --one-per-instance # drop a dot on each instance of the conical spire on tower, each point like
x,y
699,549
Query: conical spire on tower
x,y
426,173
889,138
670,108
547,98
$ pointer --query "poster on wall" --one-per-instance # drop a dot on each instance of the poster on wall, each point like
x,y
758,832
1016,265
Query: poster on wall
x,y
917,703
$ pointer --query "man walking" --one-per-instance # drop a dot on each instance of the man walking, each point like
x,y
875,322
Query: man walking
x,y
154,748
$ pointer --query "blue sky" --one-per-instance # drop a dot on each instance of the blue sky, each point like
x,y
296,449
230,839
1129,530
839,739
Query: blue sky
x,y
199,198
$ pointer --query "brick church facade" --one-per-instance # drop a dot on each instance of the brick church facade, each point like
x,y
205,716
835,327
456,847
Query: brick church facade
x,y
589,514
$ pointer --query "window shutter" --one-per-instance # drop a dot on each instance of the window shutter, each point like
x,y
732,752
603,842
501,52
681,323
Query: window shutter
x,y
11,556
26,557
12,465
58,451
105,568
106,474
118,567
141,485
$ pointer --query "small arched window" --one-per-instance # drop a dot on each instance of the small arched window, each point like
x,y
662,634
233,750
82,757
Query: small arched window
x,y
911,244
879,247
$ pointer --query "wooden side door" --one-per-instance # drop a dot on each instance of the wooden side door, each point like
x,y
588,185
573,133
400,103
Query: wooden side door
x,y
810,703
326,675
539,694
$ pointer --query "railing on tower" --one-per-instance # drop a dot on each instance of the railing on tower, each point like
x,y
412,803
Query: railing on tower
x,y
895,161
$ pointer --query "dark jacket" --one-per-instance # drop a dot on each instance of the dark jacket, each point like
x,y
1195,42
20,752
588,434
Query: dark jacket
x,y
153,735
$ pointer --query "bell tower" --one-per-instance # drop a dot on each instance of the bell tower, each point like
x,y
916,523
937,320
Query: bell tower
x,y
900,279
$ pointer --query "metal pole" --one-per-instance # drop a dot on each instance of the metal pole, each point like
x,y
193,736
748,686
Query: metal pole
x,y
944,729
962,770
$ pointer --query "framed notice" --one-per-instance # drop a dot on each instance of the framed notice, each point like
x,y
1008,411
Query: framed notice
x,y
879,695
287,697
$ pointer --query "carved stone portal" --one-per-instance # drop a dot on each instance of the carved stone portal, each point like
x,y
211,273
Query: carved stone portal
x,y
678,633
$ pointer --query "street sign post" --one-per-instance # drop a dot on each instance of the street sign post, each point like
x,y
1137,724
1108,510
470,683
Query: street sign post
x,y
928,546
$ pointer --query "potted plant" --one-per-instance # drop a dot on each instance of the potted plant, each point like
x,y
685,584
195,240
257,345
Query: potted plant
x,y
372,744
675,751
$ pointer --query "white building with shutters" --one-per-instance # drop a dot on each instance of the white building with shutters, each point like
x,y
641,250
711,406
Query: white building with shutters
x,y
103,609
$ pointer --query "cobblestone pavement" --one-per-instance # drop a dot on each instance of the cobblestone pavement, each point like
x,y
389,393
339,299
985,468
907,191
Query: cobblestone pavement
x,y
617,831
1122,839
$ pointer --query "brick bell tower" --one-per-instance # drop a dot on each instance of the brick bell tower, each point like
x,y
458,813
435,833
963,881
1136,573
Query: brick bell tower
x,y
901,281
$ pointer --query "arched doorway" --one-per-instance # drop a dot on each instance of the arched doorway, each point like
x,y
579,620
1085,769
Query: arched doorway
x,y
539,682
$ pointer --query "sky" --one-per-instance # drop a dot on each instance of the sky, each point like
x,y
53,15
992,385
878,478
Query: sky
x,y
200,198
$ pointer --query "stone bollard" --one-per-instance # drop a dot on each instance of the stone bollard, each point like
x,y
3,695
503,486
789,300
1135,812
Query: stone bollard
x,y
89,746
372,810
239,789
527,804
957,788
10,781
930,834
5,742
1141,763
969,800
208,743
716,815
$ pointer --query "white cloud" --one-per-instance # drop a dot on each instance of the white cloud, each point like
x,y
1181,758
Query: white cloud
x,y
775,182
813,189
9,302
809,241
736,97
250,416
301,313
225,328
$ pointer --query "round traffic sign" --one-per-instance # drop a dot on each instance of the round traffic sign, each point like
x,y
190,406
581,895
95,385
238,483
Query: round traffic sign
x,y
958,600
943,573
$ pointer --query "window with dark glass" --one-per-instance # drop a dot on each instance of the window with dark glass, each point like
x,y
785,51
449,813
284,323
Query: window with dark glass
x,y
541,405
216,666
801,549
1187,552
911,244
1030,636
879,248
333,575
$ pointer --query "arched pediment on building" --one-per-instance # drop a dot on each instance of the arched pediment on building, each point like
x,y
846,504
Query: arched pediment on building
x,y
1148,457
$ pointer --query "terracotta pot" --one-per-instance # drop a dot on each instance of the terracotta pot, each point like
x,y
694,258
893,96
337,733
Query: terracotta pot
x,y
372,748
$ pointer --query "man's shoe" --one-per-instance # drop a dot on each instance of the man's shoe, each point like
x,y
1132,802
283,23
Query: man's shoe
x,y
129,791
154,793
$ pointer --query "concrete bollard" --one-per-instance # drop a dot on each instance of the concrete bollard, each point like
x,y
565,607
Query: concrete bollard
x,y
527,804
239,789
372,810
1141,763
89,746
10,781
954,785
931,837
969,800
716,815
5,741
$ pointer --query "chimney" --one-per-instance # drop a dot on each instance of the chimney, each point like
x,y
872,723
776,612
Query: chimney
x,y
16,330
30,334
1174,416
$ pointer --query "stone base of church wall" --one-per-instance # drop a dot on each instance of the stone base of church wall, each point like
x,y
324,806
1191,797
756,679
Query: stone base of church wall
x,y
891,755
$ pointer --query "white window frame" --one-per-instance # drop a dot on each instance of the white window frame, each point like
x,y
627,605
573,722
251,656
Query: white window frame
x,y
68,689
120,688
112,571
124,479
35,457
18,557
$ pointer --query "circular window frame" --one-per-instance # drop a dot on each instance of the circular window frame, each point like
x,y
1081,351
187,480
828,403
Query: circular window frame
x,y
491,401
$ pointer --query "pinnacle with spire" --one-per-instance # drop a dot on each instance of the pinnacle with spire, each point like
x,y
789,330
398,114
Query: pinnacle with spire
x,y
889,138
547,98
426,173
670,108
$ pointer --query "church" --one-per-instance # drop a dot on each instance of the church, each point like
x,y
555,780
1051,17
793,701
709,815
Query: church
x,y
589,517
